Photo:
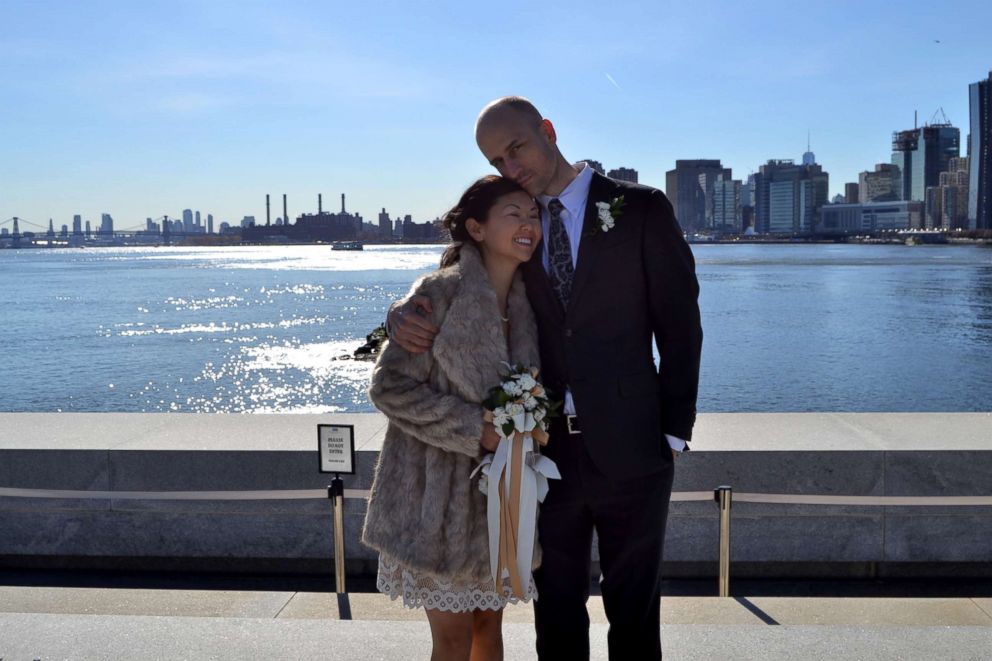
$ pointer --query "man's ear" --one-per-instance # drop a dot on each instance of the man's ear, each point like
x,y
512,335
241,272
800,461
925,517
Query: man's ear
x,y
475,229
548,129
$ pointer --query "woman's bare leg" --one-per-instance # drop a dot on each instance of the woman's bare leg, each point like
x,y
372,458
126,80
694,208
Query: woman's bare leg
x,y
451,634
487,635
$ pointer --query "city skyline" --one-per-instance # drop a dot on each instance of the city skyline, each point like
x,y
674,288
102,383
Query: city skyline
x,y
114,114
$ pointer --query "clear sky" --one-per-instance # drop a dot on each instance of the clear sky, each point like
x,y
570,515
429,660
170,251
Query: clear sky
x,y
143,109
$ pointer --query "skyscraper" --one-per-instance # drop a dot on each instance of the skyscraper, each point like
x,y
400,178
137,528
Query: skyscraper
x,y
385,224
788,197
595,165
623,174
187,221
980,153
882,185
921,154
947,203
851,193
210,223
689,187
727,204
77,225
106,224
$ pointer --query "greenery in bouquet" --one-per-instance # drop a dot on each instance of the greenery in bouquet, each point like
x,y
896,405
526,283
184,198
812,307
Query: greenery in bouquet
x,y
519,393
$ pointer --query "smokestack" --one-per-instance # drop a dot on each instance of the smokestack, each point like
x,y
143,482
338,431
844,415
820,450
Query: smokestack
x,y
285,214
342,202
268,215
320,204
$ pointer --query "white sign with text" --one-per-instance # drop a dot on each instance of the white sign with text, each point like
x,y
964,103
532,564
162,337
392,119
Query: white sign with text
x,y
337,448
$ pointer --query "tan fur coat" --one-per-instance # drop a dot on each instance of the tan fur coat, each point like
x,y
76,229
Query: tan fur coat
x,y
424,509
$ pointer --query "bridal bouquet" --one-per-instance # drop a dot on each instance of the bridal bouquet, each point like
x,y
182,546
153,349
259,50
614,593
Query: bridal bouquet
x,y
520,394
515,477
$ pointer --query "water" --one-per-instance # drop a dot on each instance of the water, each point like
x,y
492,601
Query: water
x,y
261,329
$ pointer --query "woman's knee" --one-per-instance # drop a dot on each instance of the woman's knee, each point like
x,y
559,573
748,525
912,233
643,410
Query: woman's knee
x,y
452,633
487,623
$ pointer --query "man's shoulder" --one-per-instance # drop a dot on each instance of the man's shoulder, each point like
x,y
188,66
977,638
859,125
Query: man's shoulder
x,y
634,191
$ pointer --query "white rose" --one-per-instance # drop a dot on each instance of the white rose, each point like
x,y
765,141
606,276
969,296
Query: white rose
x,y
603,206
514,409
512,388
500,417
529,401
526,381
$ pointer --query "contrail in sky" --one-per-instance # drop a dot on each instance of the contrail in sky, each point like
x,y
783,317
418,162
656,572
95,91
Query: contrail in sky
x,y
610,78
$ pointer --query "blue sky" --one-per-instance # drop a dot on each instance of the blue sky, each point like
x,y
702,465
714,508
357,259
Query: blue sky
x,y
144,108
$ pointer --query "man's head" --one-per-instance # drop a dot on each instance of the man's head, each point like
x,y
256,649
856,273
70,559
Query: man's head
x,y
520,144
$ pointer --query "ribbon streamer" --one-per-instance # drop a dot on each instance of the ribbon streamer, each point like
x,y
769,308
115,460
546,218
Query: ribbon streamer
x,y
517,482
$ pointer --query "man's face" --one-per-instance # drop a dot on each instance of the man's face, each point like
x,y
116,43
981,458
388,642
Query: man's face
x,y
519,149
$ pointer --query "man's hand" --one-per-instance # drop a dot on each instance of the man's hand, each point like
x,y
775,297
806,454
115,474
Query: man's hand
x,y
409,326
490,439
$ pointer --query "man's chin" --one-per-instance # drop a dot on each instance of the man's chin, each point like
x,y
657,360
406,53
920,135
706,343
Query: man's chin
x,y
531,187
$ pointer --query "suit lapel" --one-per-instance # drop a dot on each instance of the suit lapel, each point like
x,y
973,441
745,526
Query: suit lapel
x,y
600,189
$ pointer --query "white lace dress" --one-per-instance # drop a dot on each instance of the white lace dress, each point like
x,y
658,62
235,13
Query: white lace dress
x,y
421,589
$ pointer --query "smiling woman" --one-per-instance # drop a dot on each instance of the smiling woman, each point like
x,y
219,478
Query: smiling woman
x,y
500,209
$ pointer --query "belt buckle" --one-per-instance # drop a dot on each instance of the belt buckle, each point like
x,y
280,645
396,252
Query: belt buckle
x,y
568,424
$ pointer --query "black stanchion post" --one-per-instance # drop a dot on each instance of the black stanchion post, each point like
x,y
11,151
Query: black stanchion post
x,y
724,496
336,493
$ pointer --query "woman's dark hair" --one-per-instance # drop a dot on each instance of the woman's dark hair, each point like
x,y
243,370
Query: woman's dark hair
x,y
474,203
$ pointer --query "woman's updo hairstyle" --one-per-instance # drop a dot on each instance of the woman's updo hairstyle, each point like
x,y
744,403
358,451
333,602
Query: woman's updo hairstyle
x,y
476,202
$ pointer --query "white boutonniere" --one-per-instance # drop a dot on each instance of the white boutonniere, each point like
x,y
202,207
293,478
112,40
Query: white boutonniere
x,y
607,214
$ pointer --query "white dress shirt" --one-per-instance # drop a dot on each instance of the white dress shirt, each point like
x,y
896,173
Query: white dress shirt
x,y
574,199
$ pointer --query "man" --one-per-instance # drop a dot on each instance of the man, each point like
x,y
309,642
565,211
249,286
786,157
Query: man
x,y
613,270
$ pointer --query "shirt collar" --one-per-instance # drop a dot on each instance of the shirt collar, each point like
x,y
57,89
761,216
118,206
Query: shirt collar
x,y
574,196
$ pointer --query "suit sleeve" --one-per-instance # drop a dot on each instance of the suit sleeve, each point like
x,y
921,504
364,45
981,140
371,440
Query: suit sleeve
x,y
673,294
401,389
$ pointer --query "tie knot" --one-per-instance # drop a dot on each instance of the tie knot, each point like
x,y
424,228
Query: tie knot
x,y
555,207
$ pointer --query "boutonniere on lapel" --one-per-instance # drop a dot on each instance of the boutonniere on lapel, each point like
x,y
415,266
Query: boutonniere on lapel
x,y
607,214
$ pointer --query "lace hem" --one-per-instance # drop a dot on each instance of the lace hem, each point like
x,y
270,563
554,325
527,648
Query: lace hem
x,y
423,590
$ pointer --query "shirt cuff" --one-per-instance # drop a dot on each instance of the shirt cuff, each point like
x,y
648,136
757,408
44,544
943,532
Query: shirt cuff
x,y
676,443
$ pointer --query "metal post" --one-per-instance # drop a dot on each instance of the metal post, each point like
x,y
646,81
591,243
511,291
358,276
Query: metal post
x,y
336,493
724,496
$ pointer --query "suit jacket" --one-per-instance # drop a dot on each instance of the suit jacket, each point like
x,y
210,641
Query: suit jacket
x,y
631,283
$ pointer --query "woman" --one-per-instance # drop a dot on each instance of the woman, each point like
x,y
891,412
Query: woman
x,y
426,516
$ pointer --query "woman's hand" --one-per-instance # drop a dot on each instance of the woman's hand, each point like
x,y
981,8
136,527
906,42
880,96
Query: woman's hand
x,y
490,439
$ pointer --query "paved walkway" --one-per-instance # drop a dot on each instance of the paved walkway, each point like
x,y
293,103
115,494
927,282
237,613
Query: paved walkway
x,y
50,624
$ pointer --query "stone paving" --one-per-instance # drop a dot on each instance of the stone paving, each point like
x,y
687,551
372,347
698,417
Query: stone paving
x,y
53,623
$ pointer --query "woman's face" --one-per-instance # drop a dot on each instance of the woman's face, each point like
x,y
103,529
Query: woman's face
x,y
512,229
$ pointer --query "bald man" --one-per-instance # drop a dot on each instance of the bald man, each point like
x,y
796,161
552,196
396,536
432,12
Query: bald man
x,y
612,272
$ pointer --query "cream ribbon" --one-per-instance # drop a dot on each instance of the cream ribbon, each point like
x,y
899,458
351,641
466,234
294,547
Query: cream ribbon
x,y
518,481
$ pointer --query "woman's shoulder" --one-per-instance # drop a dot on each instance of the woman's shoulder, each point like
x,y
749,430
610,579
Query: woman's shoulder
x,y
439,285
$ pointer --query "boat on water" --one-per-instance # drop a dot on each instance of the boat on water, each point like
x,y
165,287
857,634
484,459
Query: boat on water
x,y
347,245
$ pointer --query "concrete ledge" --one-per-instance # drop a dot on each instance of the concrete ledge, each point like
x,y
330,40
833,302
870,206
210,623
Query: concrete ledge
x,y
892,454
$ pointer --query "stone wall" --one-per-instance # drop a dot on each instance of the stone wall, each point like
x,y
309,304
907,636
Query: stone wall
x,y
832,454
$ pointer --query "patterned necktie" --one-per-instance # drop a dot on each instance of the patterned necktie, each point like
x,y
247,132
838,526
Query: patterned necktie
x,y
559,254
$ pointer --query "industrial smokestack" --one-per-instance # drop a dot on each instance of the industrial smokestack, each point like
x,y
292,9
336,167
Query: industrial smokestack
x,y
320,204
285,214
342,202
268,215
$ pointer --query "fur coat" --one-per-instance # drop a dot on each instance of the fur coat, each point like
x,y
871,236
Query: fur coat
x,y
424,510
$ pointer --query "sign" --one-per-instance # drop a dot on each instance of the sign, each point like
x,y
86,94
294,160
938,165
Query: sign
x,y
337,448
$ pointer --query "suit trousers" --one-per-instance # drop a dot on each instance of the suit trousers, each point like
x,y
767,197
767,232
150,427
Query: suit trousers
x,y
629,517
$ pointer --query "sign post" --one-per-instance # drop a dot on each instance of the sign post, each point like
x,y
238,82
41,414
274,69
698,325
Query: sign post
x,y
337,455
